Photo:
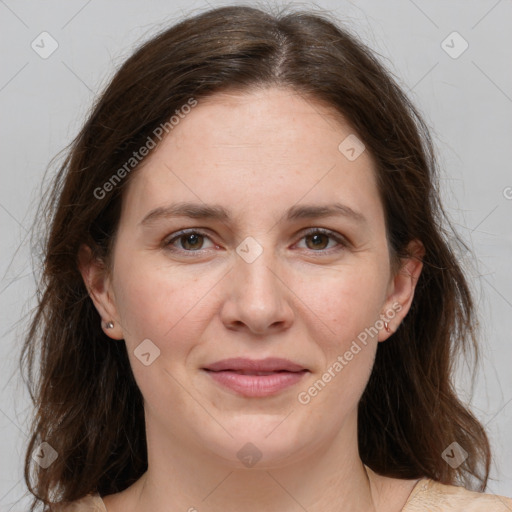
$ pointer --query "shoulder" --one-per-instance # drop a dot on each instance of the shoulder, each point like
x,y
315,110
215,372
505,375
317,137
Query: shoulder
x,y
90,503
431,496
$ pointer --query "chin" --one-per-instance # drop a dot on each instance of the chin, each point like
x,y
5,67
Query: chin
x,y
260,442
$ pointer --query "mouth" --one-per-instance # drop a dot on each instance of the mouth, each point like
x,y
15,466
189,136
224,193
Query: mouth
x,y
256,378
250,372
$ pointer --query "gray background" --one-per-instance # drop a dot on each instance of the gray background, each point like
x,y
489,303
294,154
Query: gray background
x,y
466,100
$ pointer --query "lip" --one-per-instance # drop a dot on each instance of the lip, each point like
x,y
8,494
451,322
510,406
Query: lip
x,y
256,378
270,364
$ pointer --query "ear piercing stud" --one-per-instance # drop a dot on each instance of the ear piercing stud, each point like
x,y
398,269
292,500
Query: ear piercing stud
x,y
386,326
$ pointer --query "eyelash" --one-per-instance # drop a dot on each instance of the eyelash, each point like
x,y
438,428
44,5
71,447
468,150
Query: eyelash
x,y
312,231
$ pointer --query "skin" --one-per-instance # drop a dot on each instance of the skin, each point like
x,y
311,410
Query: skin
x,y
256,153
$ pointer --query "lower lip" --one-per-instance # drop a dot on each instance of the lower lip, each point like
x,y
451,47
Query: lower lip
x,y
256,385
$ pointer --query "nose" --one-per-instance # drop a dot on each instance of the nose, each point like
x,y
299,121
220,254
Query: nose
x,y
258,298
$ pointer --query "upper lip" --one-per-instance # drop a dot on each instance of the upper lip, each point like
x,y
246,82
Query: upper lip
x,y
271,364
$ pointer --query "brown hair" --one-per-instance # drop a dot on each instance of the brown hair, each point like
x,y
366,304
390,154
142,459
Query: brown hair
x,y
88,406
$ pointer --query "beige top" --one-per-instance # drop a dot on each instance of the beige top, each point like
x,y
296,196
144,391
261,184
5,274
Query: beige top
x,y
426,496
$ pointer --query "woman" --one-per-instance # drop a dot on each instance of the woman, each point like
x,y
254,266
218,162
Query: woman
x,y
248,299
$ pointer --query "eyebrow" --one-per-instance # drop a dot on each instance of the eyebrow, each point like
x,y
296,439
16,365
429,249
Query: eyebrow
x,y
217,212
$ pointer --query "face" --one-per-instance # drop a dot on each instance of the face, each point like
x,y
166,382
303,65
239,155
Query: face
x,y
281,253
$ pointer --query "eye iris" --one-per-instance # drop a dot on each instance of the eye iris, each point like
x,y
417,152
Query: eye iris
x,y
317,237
191,241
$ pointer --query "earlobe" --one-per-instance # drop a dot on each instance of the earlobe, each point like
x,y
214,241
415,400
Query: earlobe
x,y
98,286
402,288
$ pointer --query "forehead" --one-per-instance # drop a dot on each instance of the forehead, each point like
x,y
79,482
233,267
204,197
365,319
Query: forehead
x,y
271,147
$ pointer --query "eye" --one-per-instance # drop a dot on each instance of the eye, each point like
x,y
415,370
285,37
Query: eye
x,y
318,240
187,241
193,241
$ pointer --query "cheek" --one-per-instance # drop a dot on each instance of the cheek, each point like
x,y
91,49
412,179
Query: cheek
x,y
345,306
167,307
345,301
349,307
159,303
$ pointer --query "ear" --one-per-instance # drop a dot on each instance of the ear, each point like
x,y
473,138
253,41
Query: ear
x,y
99,286
401,289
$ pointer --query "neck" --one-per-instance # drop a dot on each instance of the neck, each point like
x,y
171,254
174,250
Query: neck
x,y
329,478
